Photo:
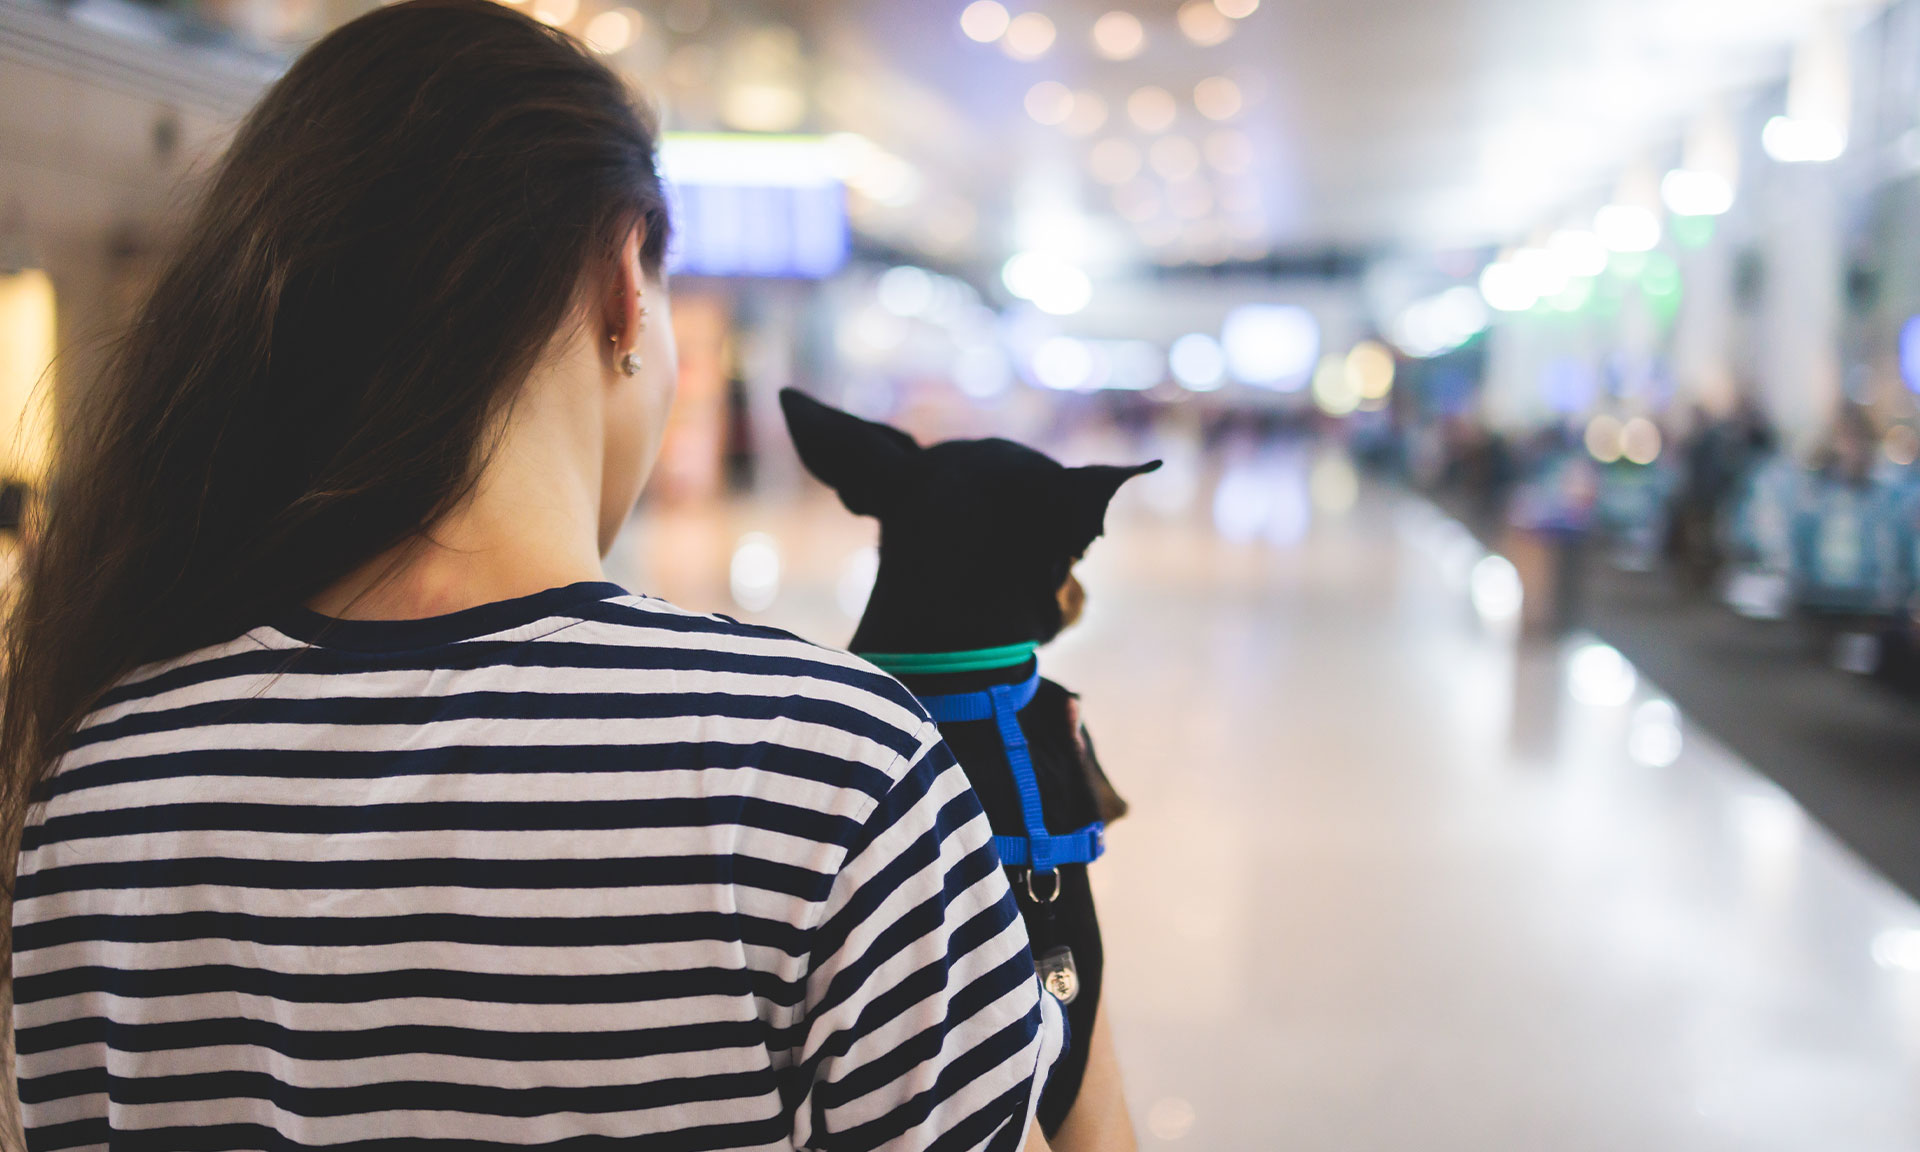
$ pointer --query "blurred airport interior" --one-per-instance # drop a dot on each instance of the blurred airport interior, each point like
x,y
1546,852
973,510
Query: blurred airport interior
x,y
1515,669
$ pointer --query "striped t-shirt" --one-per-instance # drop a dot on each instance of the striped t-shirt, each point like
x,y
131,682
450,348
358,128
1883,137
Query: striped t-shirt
x,y
564,871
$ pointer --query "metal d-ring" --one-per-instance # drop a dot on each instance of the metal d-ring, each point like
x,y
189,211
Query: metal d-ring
x,y
1051,896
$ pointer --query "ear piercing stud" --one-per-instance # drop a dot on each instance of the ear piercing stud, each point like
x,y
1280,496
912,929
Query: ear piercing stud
x,y
630,361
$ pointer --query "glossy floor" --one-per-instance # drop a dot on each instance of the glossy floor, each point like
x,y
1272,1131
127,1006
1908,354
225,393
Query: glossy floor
x,y
1395,880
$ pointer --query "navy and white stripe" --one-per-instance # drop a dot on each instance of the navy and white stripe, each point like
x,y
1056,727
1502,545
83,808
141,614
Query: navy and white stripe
x,y
568,870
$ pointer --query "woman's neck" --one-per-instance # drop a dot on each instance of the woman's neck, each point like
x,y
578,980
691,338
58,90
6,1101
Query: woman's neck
x,y
531,522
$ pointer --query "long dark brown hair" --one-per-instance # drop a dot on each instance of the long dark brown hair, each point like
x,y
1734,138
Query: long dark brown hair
x,y
393,239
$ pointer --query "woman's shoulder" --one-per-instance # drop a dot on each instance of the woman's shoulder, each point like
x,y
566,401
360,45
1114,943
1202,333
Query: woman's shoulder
x,y
826,690
645,624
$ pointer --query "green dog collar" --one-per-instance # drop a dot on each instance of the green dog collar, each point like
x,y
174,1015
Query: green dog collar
x,y
941,663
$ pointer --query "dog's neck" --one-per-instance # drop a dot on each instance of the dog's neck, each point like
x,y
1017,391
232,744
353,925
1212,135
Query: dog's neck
x,y
906,613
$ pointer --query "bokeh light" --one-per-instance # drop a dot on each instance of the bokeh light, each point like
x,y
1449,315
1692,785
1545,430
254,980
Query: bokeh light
x,y
1217,98
1599,676
1088,116
1203,23
1152,108
1495,589
1271,345
1370,370
1603,438
1028,36
984,21
1049,102
1653,736
1640,440
611,31
1119,36
754,574
1197,362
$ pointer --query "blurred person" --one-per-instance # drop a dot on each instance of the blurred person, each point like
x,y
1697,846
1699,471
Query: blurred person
x,y
1717,456
1846,455
354,807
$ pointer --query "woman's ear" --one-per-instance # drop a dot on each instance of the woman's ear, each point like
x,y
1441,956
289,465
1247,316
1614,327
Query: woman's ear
x,y
862,461
624,304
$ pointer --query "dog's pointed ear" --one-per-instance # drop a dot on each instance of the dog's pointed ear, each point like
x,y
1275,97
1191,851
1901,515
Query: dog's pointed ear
x,y
1088,492
860,460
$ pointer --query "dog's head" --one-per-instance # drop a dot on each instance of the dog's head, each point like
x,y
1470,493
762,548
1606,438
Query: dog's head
x,y
978,537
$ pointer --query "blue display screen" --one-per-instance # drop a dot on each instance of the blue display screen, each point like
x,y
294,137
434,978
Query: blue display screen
x,y
1910,353
758,230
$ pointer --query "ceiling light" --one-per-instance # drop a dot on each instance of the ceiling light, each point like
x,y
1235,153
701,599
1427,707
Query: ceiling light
x,y
1064,364
1544,273
1819,97
871,170
1217,98
1119,36
763,107
1028,36
1152,109
1049,102
1802,141
1237,9
555,12
1048,282
1690,193
984,21
1197,362
1271,345
727,159
1506,288
612,30
1627,228
1203,23
1439,324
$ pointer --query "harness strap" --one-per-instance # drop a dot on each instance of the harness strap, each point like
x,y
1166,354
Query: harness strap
x,y
1039,850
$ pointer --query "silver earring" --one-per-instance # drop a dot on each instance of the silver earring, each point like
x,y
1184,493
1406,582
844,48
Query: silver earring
x,y
630,363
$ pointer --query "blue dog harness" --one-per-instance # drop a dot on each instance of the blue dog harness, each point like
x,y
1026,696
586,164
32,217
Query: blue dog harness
x,y
1039,851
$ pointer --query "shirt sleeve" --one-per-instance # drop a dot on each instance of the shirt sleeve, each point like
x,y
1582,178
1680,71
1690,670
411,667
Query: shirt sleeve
x,y
926,1027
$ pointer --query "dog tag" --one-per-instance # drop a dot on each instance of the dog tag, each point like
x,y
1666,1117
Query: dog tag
x,y
1058,974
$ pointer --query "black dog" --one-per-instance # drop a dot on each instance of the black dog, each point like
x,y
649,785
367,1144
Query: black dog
x,y
978,539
